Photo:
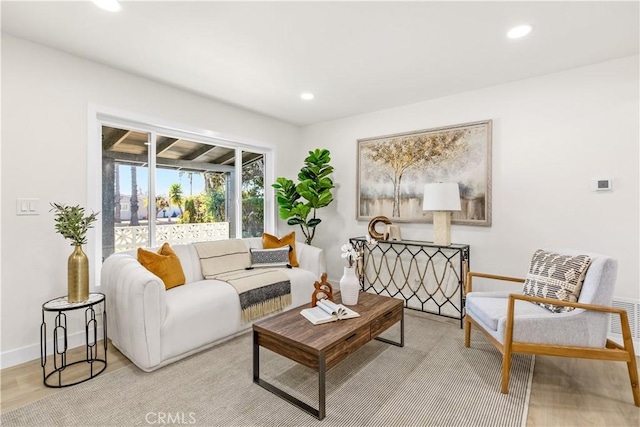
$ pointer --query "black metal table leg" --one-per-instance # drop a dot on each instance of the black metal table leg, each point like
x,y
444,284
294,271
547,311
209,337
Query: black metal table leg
x,y
322,395
256,358
318,413
402,329
398,344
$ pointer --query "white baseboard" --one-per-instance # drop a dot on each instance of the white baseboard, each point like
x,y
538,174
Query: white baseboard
x,y
32,352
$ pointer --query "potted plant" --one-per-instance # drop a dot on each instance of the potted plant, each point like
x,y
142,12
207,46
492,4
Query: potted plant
x,y
313,191
71,222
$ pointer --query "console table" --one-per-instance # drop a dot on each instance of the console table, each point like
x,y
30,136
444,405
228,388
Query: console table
x,y
428,277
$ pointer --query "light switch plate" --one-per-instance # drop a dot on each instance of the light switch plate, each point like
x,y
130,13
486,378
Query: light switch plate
x,y
27,206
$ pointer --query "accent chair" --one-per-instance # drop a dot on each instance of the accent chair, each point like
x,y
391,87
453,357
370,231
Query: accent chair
x,y
521,321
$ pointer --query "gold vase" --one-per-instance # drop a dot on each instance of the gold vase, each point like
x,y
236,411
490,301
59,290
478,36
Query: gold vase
x,y
78,276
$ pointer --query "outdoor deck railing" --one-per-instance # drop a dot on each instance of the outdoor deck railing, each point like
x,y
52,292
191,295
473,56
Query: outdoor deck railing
x,y
129,237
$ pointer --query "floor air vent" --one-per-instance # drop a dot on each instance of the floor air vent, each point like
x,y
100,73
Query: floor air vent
x,y
632,307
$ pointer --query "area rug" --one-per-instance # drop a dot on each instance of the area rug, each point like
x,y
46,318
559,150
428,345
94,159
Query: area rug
x,y
432,381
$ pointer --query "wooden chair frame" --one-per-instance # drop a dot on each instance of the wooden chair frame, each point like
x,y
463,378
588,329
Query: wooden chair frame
x,y
612,351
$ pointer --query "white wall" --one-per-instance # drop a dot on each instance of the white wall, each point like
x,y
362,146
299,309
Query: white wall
x,y
551,136
45,98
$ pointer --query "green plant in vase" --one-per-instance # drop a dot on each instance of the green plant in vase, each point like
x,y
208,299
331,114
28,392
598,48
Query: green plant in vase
x,y
72,224
297,202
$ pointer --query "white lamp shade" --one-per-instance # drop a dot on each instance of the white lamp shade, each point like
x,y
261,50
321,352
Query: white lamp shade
x,y
441,196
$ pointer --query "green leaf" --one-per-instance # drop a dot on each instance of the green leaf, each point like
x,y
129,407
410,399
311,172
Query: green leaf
x,y
324,200
302,211
71,222
313,222
284,213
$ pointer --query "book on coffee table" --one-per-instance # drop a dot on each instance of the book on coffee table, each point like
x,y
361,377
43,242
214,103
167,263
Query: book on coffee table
x,y
327,311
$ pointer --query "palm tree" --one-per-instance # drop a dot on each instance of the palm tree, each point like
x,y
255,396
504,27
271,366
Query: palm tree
x,y
134,197
190,176
117,205
175,195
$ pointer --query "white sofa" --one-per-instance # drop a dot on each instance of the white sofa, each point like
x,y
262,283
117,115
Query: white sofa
x,y
153,326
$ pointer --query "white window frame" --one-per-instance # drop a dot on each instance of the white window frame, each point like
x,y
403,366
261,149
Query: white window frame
x,y
99,116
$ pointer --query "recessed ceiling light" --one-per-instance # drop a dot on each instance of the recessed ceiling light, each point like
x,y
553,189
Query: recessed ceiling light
x,y
307,96
108,5
519,31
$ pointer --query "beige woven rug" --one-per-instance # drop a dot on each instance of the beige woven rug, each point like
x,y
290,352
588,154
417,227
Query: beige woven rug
x,y
433,381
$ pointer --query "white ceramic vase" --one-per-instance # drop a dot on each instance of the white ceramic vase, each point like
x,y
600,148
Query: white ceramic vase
x,y
349,286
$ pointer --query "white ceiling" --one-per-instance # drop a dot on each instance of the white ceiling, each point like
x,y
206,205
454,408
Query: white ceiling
x,y
356,57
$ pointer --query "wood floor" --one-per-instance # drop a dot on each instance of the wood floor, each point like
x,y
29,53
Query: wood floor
x,y
22,384
565,392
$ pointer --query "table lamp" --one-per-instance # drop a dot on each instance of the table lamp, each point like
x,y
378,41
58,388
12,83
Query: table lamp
x,y
441,198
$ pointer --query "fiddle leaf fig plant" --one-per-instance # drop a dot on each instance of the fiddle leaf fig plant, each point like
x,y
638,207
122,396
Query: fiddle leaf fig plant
x,y
71,222
313,191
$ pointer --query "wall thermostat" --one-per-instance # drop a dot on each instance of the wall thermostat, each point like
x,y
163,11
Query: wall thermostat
x,y
602,184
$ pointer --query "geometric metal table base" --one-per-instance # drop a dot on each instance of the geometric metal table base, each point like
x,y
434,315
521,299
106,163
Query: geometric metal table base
x,y
429,278
96,362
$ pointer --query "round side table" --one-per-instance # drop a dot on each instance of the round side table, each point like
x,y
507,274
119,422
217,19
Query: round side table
x,y
94,308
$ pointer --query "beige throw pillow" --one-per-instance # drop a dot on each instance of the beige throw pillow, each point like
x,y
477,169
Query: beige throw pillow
x,y
556,276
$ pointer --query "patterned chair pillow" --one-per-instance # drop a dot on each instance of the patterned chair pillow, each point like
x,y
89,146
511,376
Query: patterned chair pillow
x,y
556,276
276,257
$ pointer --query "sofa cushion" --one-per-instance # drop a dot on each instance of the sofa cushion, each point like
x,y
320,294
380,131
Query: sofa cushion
x,y
165,264
556,276
194,314
207,311
270,242
190,262
222,256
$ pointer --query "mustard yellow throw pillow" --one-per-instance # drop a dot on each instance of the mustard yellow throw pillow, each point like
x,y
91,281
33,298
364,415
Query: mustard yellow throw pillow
x,y
272,242
165,264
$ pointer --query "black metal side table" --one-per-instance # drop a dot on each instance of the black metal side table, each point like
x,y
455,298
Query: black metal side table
x,y
94,307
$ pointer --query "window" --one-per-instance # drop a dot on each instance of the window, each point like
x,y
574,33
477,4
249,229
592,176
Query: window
x,y
165,185
252,194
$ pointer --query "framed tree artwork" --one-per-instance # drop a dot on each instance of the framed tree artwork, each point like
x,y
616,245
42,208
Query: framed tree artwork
x,y
393,169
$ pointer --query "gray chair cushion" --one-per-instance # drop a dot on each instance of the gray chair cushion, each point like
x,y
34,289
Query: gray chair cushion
x,y
490,307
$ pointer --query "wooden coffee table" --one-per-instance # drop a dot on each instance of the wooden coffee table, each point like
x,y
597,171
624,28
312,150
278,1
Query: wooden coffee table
x,y
321,347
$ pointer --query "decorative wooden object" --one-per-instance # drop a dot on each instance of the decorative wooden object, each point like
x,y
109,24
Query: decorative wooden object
x,y
323,290
372,226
